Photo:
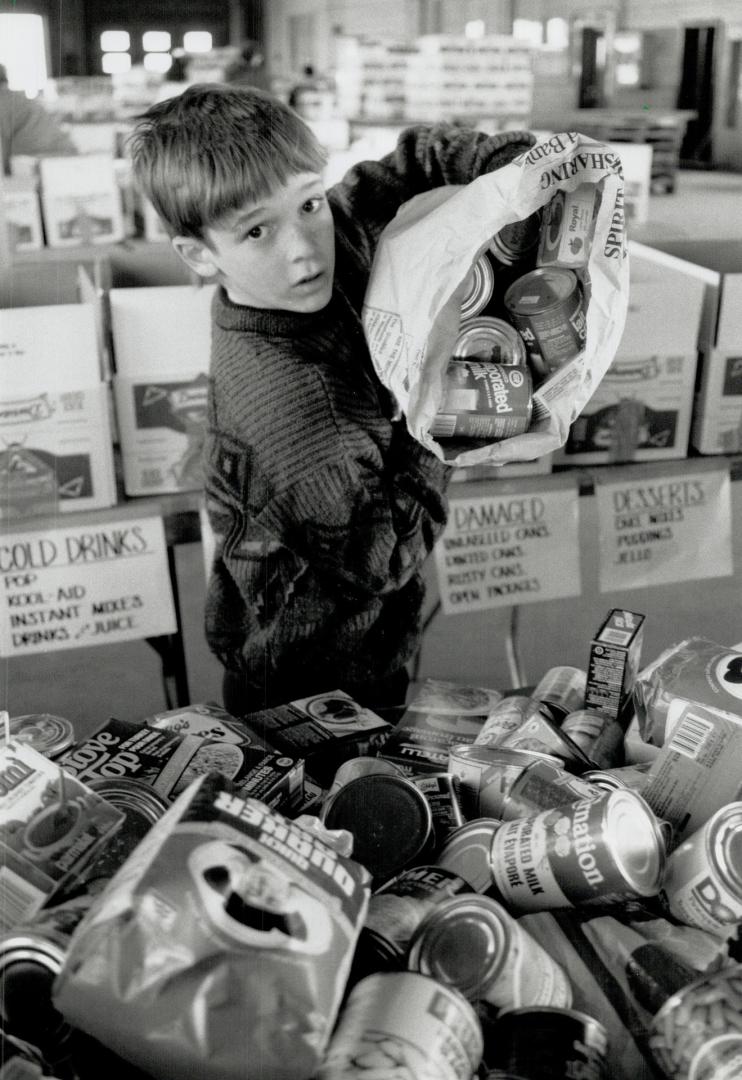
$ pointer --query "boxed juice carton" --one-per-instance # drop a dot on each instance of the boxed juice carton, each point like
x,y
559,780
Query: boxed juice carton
x,y
161,342
641,410
55,436
81,200
615,652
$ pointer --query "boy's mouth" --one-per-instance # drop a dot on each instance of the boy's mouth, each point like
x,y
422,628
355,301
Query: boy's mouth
x,y
310,279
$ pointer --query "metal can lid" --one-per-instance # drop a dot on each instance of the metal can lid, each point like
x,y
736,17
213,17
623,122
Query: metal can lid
x,y
29,949
480,285
635,841
541,290
132,796
515,240
468,852
492,339
483,754
462,943
390,819
529,1015
50,735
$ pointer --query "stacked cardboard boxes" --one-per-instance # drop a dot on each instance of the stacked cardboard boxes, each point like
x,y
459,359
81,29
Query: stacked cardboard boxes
x,y
161,341
642,408
370,78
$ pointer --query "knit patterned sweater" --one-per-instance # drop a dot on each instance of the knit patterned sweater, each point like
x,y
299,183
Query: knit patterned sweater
x,y
323,507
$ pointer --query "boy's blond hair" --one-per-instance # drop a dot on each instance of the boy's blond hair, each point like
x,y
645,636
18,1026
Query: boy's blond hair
x,y
213,148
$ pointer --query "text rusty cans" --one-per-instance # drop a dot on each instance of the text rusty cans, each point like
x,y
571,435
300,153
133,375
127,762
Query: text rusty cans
x,y
547,1043
596,850
484,400
547,308
486,775
480,282
703,877
396,910
473,944
490,339
406,1024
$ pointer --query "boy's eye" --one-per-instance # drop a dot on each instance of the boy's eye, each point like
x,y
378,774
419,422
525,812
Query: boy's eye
x,y
255,233
311,206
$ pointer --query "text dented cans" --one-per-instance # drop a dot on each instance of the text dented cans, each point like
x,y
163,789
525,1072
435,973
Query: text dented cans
x,y
484,400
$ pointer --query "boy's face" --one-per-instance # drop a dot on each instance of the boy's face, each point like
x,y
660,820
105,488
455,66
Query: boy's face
x,y
278,253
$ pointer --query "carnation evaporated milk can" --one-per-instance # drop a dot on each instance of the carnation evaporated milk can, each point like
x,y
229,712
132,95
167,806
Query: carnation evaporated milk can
x,y
609,848
484,400
547,308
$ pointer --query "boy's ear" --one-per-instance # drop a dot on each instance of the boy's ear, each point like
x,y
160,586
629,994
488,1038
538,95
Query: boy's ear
x,y
196,255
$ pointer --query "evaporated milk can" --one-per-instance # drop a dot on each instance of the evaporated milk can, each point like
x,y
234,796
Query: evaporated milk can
x,y
473,944
480,282
484,400
605,849
404,1024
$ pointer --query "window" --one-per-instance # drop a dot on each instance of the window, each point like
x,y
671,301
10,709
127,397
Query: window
x,y
197,41
23,51
157,41
529,31
115,41
114,63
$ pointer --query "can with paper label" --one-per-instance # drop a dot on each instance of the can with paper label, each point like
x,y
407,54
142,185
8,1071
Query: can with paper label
x,y
484,400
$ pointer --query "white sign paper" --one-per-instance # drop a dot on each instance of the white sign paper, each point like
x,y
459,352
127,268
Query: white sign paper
x,y
509,543
89,584
664,523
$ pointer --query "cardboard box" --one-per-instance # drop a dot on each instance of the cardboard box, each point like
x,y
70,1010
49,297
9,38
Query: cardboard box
x,y
22,214
718,264
56,453
642,408
51,826
81,200
636,161
717,413
161,342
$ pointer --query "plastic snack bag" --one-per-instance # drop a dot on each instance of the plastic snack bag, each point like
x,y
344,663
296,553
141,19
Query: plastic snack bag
x,y
412,305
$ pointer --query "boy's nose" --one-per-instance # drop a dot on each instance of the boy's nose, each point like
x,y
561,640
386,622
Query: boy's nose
x,y
300,242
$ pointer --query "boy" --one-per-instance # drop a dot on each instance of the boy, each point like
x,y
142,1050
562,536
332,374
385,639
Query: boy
x,y
323,506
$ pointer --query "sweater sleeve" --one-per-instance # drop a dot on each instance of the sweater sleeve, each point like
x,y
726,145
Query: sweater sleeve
x,y
425,157
365,530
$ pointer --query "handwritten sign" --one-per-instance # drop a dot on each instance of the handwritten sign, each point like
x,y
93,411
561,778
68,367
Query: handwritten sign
x,y
509,543
664,523
91,584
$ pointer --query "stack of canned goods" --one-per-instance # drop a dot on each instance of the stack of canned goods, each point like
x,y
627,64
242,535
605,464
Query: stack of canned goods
x,y
523,316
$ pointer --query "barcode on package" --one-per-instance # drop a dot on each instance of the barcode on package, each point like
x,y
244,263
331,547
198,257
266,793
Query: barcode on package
x,y
443,426
691,735
19,899
616,637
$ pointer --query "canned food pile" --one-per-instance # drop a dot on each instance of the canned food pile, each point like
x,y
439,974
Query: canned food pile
x,y
506,891
522,318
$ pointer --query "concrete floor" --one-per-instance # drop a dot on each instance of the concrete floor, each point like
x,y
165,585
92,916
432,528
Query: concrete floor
x,y
89,685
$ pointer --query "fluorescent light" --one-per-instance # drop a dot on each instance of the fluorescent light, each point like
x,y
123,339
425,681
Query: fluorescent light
x,y
529,31
627,74
196,41
114,41
115,63
23,51
557,33
474,29
158,61
156,41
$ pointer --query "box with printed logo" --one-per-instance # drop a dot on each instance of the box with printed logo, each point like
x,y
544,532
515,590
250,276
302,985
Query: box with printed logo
x,y
161,343
615,653
81,200
717,412
56,453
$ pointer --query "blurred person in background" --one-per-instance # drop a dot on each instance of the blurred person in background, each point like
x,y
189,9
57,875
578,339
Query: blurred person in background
x,y
248,68
27,128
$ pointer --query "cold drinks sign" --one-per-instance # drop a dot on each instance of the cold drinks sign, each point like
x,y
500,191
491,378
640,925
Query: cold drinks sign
x,y
517,544
92,584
